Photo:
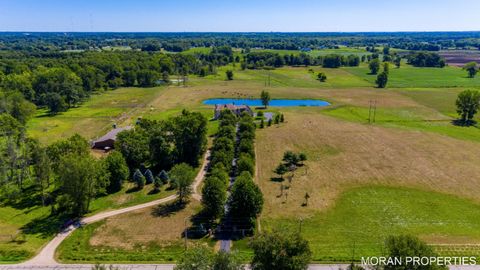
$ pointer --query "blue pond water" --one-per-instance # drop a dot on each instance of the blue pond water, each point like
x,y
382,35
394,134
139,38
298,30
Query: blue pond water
x,y
273,102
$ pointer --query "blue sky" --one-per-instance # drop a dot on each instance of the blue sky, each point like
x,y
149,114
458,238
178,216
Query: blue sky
x,y
239,15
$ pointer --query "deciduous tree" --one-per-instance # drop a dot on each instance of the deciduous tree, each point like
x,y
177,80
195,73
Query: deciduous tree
x,y
182,175
214,195
81,178
374,66
229,74
472,69
246,199
404,246
467,105
118,169
382,80
280,250
265,97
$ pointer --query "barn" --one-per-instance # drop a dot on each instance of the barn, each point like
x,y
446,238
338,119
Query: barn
x,y
107,141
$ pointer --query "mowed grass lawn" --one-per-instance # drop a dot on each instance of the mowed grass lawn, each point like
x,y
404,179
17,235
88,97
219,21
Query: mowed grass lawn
x,y
361,219
409,76
93,118
26,226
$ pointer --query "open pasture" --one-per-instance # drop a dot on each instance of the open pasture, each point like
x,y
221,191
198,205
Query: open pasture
x,y
93,118
412,77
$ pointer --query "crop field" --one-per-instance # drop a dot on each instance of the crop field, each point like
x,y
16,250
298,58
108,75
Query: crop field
x,y
460,57
409,171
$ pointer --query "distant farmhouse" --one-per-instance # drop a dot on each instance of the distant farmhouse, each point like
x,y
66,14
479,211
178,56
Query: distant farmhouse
x,y
235,109
107,141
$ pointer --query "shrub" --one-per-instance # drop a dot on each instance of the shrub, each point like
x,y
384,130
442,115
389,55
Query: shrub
x,y
322,77
404,246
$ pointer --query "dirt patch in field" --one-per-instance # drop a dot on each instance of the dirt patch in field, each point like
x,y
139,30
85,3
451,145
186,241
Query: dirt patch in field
x,y
144,227
344,154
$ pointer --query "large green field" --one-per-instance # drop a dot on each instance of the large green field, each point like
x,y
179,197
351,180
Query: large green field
x,y
411,171
412,77
93,118
361,219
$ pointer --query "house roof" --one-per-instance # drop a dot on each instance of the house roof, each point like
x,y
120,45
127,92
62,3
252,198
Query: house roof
x,y
230,107
112,134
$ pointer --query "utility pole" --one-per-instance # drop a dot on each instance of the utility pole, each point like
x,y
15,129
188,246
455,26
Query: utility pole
x,y
186,234
353,252
369,111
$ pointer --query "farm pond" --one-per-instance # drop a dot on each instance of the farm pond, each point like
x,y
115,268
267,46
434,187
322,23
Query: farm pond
x,y
273,102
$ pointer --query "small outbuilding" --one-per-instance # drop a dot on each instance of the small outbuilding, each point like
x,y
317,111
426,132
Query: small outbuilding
x,y
235,109
107,141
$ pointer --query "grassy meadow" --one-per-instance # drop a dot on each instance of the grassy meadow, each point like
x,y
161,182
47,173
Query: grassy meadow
x,y
148,235
93,118
411,171
25,226
361,218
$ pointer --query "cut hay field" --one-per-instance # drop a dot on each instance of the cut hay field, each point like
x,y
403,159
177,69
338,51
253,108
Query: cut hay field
x,y
366,182
412,171
148,235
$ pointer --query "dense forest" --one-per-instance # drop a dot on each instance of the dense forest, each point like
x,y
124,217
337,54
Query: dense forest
x,y
177,42
66,177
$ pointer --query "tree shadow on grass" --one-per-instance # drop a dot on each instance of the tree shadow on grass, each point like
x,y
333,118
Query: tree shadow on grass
x,y
168,209
27,199
132,190
202,226
277,179
461,123
154,191
45,226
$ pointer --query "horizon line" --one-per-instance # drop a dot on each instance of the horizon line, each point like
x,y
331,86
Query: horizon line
x,y
249,32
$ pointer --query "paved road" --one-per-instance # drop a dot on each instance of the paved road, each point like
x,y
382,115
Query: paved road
x,y
46,257
171,267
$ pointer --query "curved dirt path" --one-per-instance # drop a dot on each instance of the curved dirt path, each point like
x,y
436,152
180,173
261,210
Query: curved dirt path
x,y
46,257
